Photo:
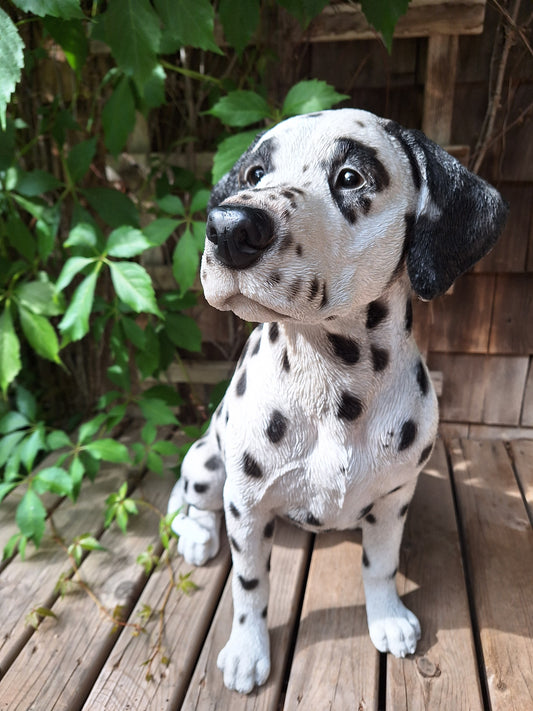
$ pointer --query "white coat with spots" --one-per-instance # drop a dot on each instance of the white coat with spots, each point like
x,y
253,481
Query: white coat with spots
x,y
321,232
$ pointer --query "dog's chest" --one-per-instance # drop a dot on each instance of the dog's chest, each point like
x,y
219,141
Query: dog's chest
x,y
316,440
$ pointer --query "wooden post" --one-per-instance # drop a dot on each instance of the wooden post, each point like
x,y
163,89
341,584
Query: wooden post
x,y
440,81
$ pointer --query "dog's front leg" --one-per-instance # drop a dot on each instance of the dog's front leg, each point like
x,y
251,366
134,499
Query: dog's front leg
x,y
245,660
392,627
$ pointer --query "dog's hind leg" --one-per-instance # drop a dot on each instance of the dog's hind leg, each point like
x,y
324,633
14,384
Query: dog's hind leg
x,y
392,627
197,496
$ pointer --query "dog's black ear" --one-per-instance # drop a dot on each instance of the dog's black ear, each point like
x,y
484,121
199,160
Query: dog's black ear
x,y
229,184
458,219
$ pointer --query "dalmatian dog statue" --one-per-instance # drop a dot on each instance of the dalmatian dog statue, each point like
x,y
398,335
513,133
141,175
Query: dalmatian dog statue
x,y
321,232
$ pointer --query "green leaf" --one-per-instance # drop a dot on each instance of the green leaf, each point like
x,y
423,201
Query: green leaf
x,y
7,144
112,206
26,402
199,201
183,331
72,266
157,412
13,421
36,182
58,439
383,15
134,287
75,323
132,30
71,36
9,445
229,151
308,96
10,363
76,472
154,89
239,33
80,158
241,108
188,24
109,450
46,230
84,232
90,543
40,334
20,237
90,428
40,297
185,261
65,9
30,447
127,242
165,448
171,204
134,333
154,462
12,53
118,116
304,10
158,231
30,516
53,479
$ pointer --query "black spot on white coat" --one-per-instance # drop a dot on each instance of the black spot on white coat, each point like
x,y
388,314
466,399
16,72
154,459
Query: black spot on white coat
x,y
350,407
344,348
277,427
407,435
251,467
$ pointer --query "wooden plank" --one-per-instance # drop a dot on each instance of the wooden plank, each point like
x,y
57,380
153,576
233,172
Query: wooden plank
x,y
499,549
59,665
443,673
506,434
439,90
522,453
289,562
527,406
335,664
31,583
513,314
461,320
122,683
345,21
473,387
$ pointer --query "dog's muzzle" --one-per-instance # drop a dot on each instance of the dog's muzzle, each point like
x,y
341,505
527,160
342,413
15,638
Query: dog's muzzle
x,y
240,234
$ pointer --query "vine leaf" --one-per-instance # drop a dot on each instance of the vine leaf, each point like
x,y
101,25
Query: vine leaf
x,y
383,16
12,53
239,33
10,363
132,30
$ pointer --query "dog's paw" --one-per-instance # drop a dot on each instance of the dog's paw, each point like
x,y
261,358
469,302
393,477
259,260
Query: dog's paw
x,y
396,632
245,660
199,538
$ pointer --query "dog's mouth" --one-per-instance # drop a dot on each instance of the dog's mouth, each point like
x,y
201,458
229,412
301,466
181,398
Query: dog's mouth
x,y
251,310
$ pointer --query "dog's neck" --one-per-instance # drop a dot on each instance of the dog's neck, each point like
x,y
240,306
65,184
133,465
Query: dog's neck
x,y
354,351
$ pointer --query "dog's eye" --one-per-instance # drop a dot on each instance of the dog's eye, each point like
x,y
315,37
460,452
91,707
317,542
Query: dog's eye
x,y
349,179
254,175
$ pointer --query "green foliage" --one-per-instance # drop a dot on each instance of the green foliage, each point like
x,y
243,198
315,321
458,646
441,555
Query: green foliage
x,y
73,237
383,15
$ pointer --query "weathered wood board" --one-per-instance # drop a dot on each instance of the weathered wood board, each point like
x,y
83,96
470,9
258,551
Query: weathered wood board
x,y
443,673
335,665
499,549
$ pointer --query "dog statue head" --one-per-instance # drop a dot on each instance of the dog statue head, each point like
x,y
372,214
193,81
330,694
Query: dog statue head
x,y
324,211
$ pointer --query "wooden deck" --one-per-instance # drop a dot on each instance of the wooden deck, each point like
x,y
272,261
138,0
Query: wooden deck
x,y
466,570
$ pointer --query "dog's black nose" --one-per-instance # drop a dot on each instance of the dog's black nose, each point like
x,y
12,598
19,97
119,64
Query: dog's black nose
x,y
240,233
